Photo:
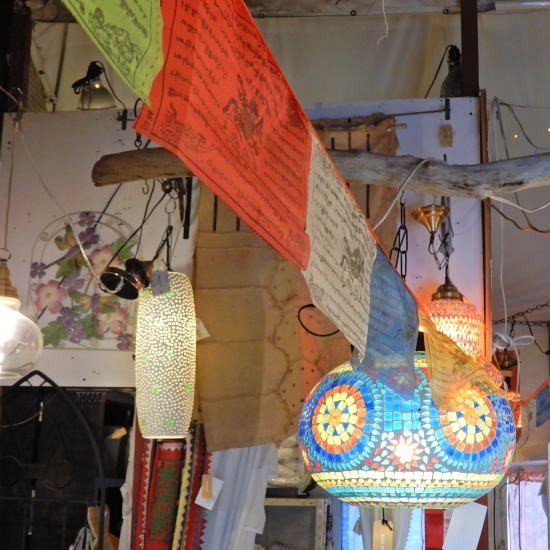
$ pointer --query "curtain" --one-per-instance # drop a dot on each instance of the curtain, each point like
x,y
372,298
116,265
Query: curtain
x,y
239,513
527,519
407,527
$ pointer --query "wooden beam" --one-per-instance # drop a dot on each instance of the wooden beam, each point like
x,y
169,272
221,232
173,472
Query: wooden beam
x,y
140,164
478,181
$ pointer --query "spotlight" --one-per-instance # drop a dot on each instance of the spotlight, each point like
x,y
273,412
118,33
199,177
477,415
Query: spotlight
x,y
93,94
126,283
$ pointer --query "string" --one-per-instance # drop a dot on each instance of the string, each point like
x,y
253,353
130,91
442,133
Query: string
x,y
399,191
387,33
23,140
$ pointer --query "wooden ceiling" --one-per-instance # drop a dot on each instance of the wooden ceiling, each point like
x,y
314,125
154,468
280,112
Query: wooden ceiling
x,y
309,8
53,10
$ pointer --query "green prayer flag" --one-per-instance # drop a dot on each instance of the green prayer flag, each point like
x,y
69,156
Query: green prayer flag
x,y
128,33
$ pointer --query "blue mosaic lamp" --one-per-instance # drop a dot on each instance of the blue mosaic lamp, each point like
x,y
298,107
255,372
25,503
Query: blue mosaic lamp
x,y
370,444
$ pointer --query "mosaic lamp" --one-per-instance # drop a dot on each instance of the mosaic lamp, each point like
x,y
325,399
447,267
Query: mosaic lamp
x,y
166,359
369,444
456,317
20,338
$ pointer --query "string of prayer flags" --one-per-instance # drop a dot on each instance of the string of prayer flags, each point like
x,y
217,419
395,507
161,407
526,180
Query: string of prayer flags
x,y
222,104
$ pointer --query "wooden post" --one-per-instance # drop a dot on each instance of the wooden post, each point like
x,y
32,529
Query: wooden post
x,y
469,42
15,51
487,283
6,10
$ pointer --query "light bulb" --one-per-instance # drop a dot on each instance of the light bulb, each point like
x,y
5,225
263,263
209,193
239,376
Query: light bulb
x,y
20,340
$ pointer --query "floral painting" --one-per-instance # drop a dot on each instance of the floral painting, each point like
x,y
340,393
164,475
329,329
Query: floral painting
x,y
69,306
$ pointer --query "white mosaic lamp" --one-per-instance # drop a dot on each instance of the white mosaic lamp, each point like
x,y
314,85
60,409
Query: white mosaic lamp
x,y
166,359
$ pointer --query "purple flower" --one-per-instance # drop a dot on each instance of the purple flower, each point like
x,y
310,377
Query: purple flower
x,y
124,341
72,282
88,237
38,269
76,333
68,318
86,219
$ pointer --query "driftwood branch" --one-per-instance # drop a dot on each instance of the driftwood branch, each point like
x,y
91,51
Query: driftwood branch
x,y
140,164
479,181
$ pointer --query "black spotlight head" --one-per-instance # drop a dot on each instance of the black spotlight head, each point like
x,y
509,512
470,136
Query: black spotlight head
x,y
126,283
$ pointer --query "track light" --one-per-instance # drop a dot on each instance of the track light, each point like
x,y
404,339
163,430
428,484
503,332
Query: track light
x,y
93,94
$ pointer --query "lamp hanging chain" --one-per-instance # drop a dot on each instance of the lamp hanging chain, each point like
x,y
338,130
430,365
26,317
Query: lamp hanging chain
x,y
400,244
513,317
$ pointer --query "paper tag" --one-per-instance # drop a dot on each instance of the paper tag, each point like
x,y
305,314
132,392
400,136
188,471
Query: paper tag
x,y
202,331
382,535
160,283
206,486
465,527
216,487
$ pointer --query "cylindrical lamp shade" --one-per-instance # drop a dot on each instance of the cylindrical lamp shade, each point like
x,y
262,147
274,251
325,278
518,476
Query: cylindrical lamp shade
x,y
369,445
460,321
166,360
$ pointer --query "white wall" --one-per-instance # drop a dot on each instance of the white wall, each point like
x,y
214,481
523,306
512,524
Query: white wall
x,y
65,146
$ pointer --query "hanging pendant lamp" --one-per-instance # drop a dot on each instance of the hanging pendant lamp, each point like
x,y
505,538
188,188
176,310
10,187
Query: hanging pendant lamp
x,y
165,359
20,338
455,316
369,445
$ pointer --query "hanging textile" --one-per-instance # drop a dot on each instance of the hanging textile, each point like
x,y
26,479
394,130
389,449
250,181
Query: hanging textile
x,y
239,512
163,494
527,518
127,492
143,462
195,516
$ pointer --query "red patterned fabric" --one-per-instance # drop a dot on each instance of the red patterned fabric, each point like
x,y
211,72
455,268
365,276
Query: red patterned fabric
x,y
195,518
163,495
144,452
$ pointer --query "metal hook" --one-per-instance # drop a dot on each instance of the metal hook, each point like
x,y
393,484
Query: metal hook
x,y
145,188
173,204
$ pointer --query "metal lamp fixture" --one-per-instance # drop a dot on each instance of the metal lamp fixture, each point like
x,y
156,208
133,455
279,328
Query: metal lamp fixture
x,y
369,445
431,216
20,338
93,94
126,283
455,316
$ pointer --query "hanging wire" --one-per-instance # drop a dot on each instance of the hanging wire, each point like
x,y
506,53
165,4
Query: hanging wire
x,y
495,106
547,352
110,85
437,70
135,232
318,334
18,133
145,215
399,191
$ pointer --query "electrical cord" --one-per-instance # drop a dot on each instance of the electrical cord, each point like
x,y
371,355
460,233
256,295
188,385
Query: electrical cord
x,y
134,233
530,226
437,70
318,334
399,191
